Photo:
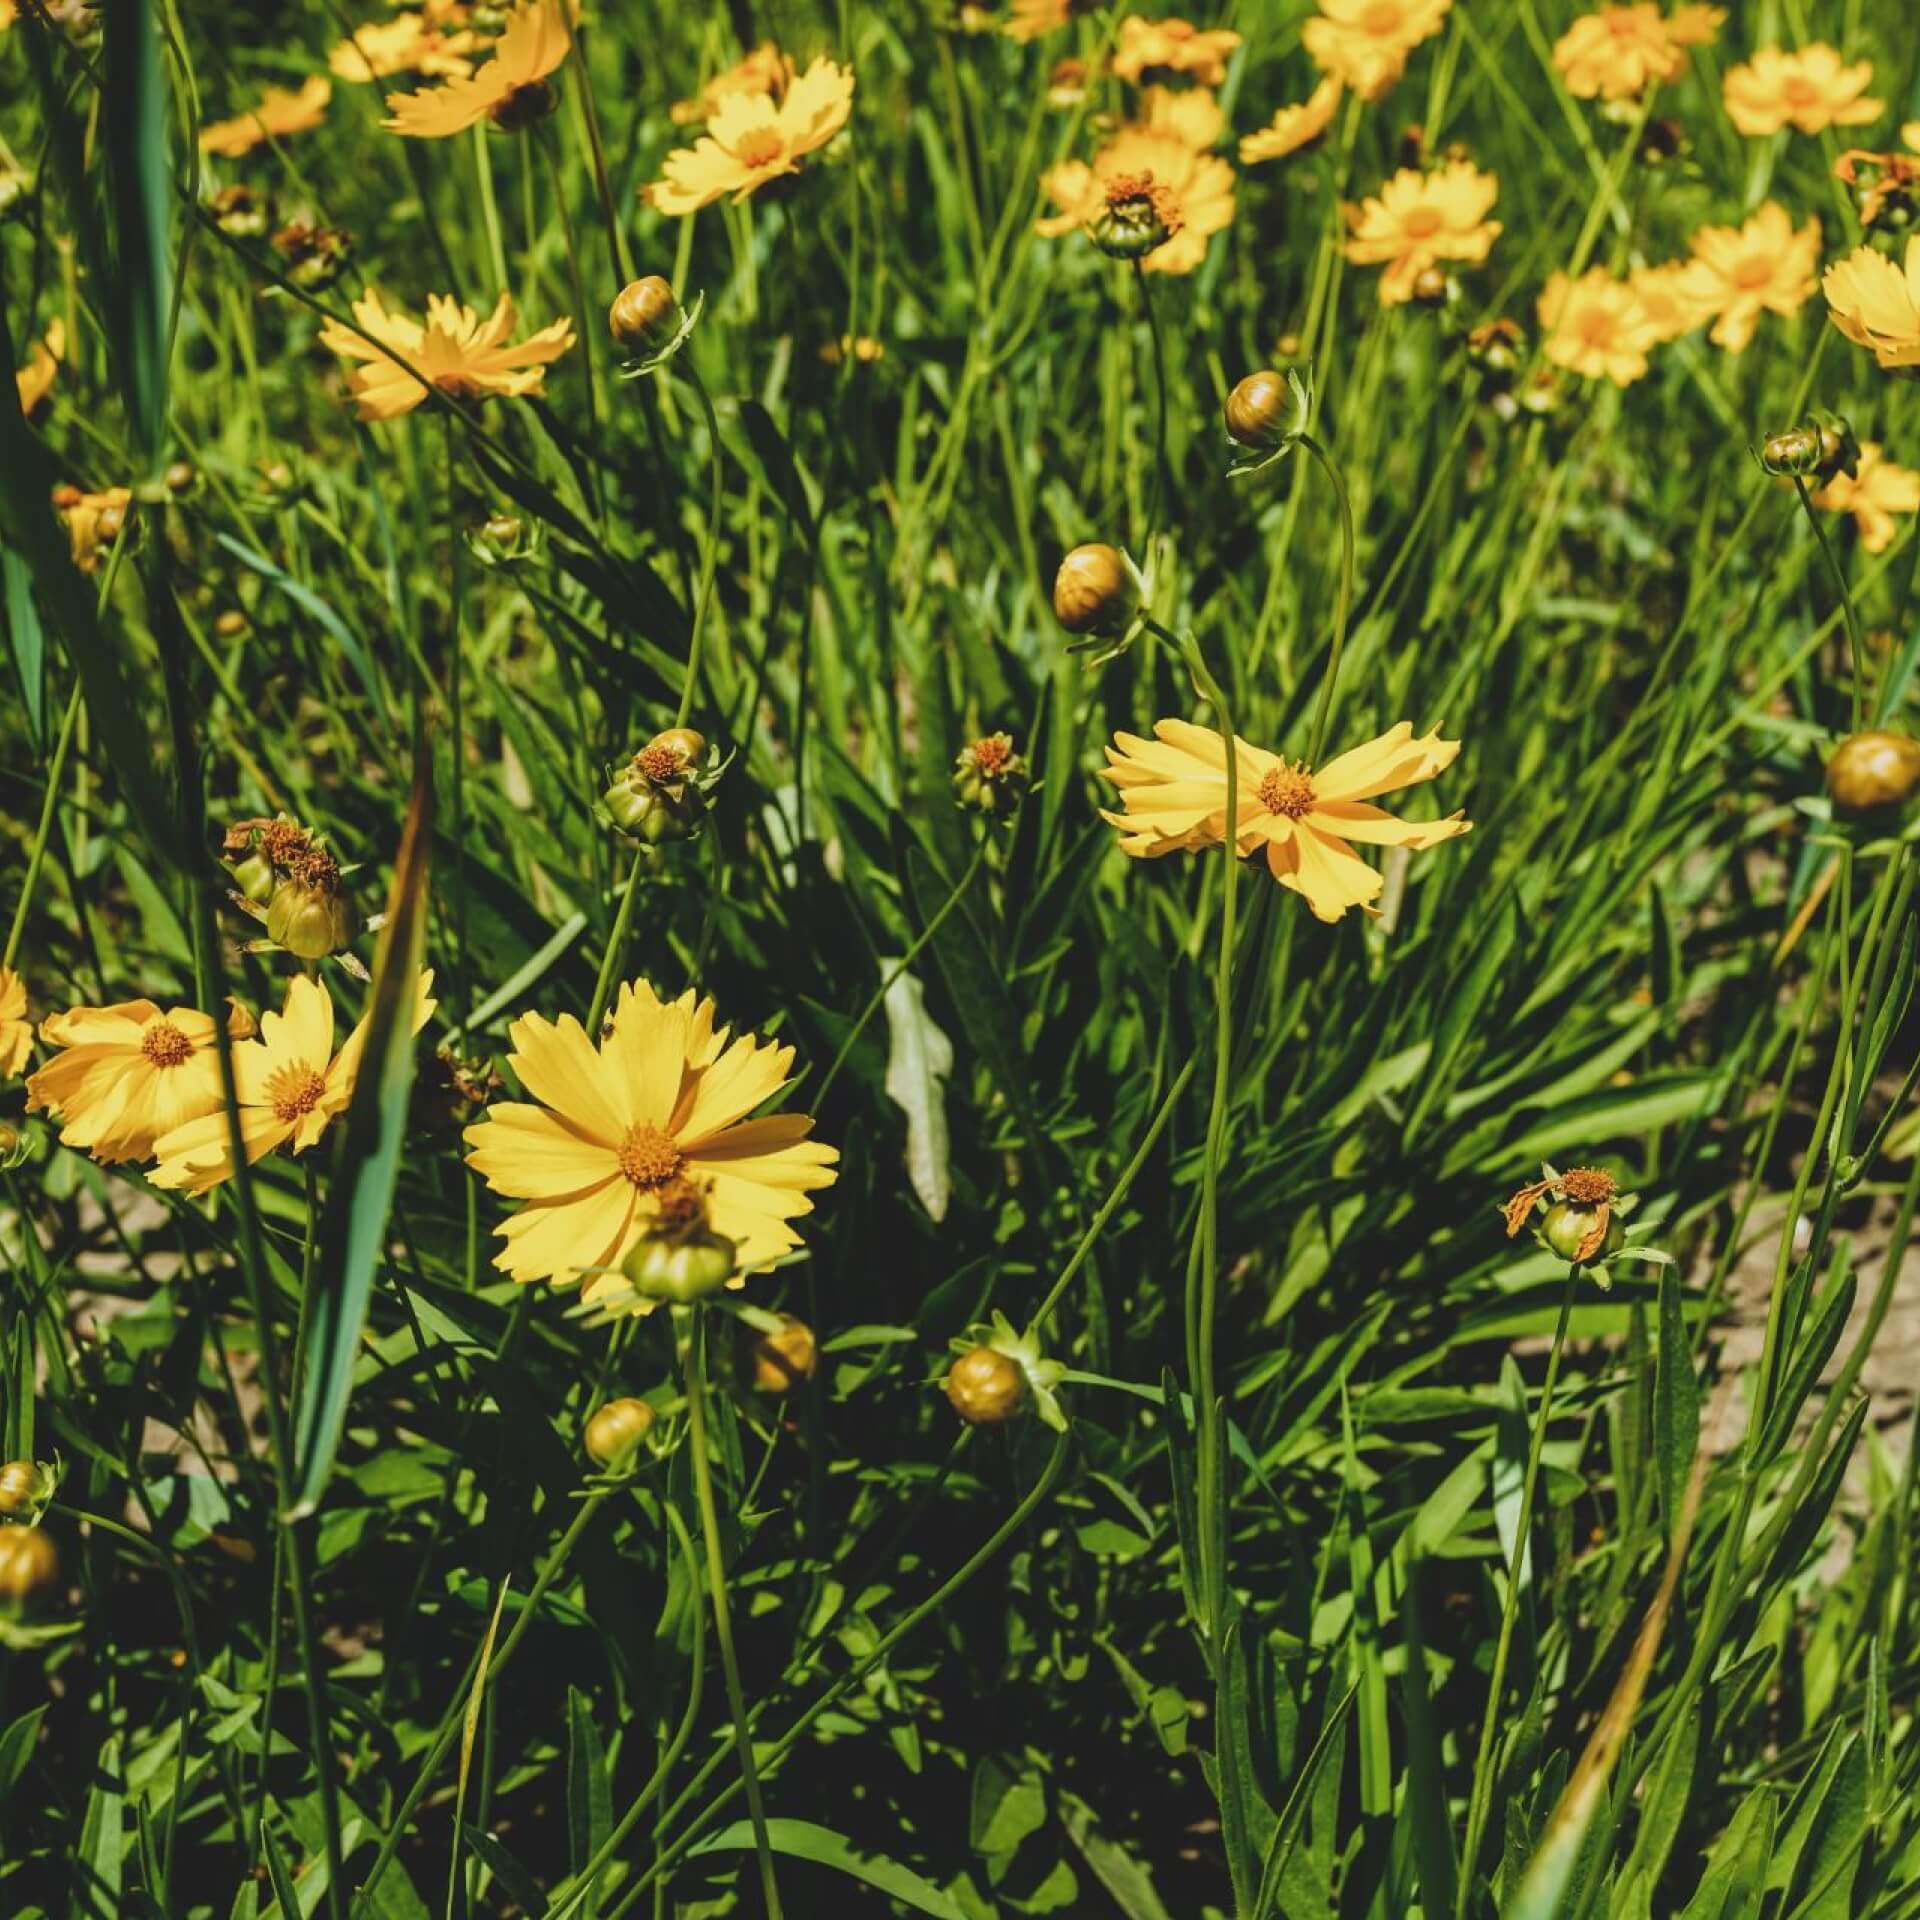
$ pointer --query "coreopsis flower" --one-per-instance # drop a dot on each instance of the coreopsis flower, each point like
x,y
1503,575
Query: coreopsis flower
x,y
458,353
1877,305
93,522
1873,495
408,43
1188,114
1418,220
1193,193
1671,300
16,1030
1617,53
1695,26
282,111
1293,128
1364,43
625,1127
1173,790
1765,266
1596,326
1812,89
1030,19
751,139
766,70
290,1083
1172,46
127,1073
1580,1225
34,381
508,89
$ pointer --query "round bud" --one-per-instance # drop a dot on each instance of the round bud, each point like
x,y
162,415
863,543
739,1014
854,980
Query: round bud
x,y
1093,591
29,1566
1569,1225
1259,408
230,625
181,477
310,921
787,1359
1136,216
1431,287
986,1387
18,1479
644,315
1873,772
618,1428
680,1269
688,746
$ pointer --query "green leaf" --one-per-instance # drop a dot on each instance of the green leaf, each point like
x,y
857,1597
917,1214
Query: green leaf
x,y
1676,1405
1835,1834
97,1863
919,1059
589,1792
139,181
1736,1872
1426,1796
17,1745
1808,1362
803,1840
1125,1879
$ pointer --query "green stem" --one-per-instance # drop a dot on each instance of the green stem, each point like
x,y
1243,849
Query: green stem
x,y
1342,607
1846,601
1160,399
47,805
616,947
710,549
456,743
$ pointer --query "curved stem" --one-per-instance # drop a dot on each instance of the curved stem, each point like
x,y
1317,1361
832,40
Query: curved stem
x,y
1846,601
616,947
710,548
1160,393
1342,607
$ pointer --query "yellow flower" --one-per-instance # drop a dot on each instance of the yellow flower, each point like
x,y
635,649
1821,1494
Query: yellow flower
x,y
34,381
1596,327
408,43
1879,491
661,1102
751,140
765,70
1173,789
533,44
281,111
1670,300
456,350
1293,127
1812,90
16,1030
290,1084
1177,46
1910,135
94,521
1196,189
1029,19
1876,305
1189,114
1739,273
1614,54
1695,26
1365,43
853,346
1419,219
127,1073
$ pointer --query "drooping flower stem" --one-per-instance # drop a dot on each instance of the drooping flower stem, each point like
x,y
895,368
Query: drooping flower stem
x,y
1342,607
1160,400
709,550
1857,651
616,946
690,1345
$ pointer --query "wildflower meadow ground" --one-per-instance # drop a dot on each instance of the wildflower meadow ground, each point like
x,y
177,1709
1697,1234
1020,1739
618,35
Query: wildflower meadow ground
x,y
959,960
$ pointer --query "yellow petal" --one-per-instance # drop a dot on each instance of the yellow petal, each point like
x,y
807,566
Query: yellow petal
x,y
558,1065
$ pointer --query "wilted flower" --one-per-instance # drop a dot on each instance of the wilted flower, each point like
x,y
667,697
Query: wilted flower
x,y
752,139
241,213
509,89
1813,89
1580,1226
315,255
1873,495
989,776
661,793
1191,193
459,353
282,111
1136,214
1419,219
1886,187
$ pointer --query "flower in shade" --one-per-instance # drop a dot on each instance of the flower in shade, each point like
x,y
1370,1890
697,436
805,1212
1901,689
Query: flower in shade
x,y
766,70
1293,127
16,1030
282,111
34,381
408,43
1873,495
1813,89
1029,19
126,1074
1173,792
1172,46
1695,26
1365,43
533,44
94,522
290,1084
751,139
657,1108
1765,266
1877,305
1614,54
1670,299
459,353
1192,190
1596,326
1418,220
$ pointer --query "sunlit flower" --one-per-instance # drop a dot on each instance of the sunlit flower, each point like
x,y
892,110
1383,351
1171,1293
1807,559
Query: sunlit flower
x,y
853,346
408,43
1761,267
125,1074
1364,43
1029,19
1293,127
1173,790
1614,54
34,381
1695,26
282,111
459,353
1196,189
660,1103
1877,305
1172,46
93,522
290,1085
1873,496
1596,327
1190,114
534,43
1418,220
16,1030
766,70
751,140
1671,299
1812,89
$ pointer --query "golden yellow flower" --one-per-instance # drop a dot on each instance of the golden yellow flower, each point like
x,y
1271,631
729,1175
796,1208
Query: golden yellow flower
x,y
751,139
1739,273
1173,790
125,1074
1191,115
1670,300
1873,496
1596,327
1695,26
660,1102
16,1030
1293,127
1418,220
765,70
291,1085
1196,188
1812,89
456,350
34,381
1877,305
408,43
1364,43
281,111
852,346
1910,135
534,43
1029,19
93,522
1173,46
1614,54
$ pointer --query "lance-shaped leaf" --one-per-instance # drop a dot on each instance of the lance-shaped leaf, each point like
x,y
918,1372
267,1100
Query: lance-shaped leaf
x,y
919,1059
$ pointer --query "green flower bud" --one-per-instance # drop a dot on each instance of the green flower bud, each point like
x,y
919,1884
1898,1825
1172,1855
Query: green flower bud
x,y
1570,1224
1137,215
644,316
681,1267
311,918
617,1429
987,1388
989,776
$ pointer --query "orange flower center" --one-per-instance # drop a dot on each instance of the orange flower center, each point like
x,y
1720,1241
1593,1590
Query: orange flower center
x,y
1422,223
990,755
1596,327
164,1044
1589,1186
294,1092
658,763
648,1158
1799,91
1756,270
1383,17
1287,789
761,148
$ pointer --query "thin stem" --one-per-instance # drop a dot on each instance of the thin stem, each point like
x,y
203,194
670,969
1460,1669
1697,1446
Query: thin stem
x,y
1342,607
456,729
1160,395
1846,601
47,805
616,946
710,548
693,1367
